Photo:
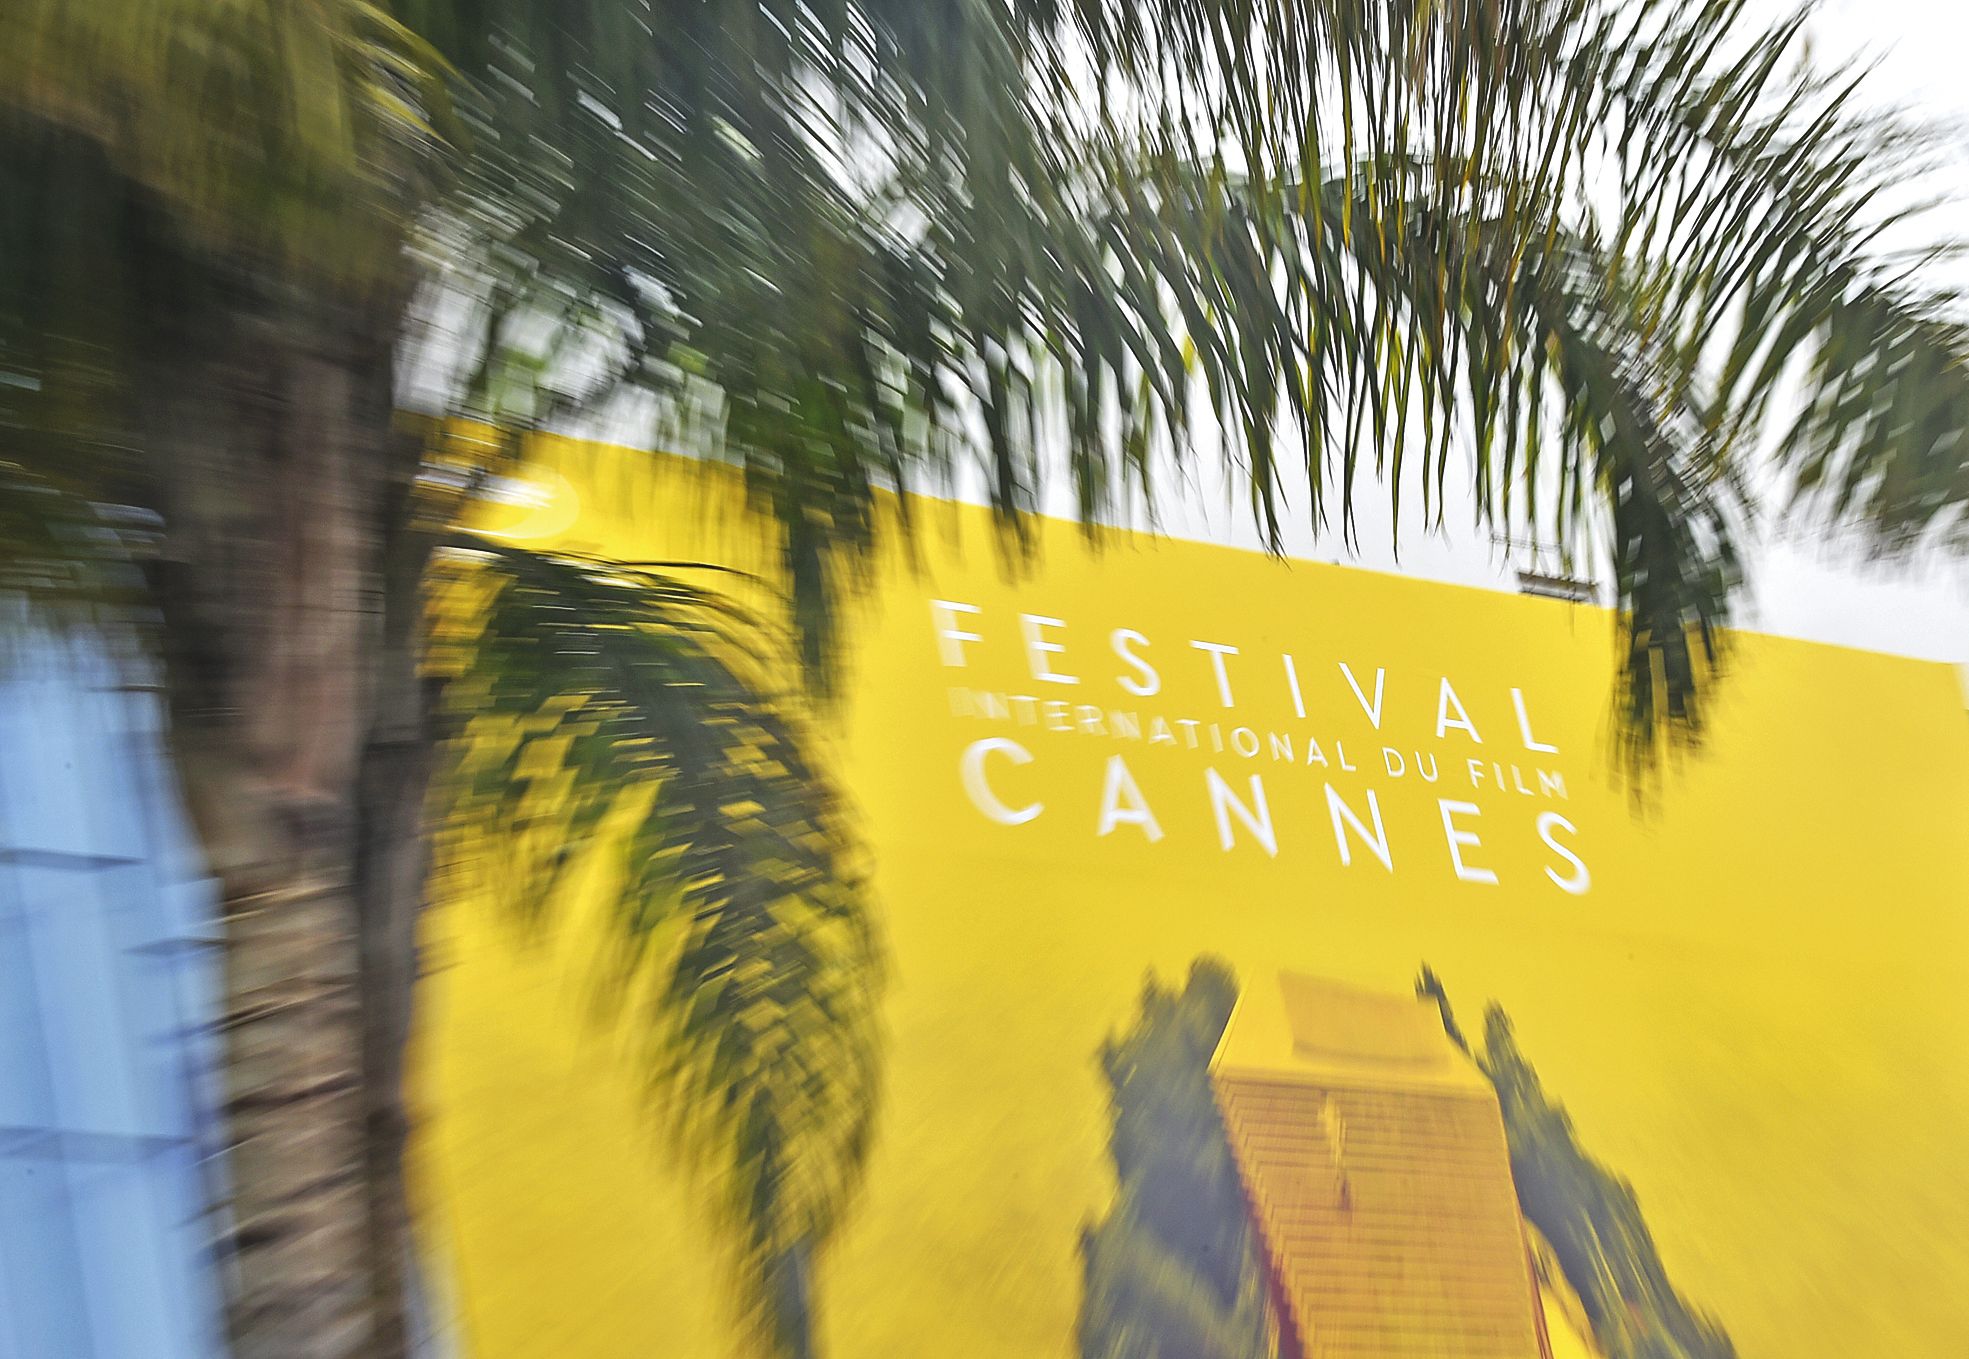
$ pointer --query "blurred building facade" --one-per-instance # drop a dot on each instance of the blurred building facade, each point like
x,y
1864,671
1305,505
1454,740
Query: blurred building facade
x,y
1373,1157
109,977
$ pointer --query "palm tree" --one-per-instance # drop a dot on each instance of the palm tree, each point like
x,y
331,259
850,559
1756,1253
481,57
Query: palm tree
x,y
850,246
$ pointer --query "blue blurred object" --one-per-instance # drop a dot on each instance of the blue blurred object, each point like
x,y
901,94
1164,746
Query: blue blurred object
x,y
109,997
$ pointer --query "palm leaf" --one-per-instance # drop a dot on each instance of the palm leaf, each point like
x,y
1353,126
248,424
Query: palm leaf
x,y
1574,246
624,712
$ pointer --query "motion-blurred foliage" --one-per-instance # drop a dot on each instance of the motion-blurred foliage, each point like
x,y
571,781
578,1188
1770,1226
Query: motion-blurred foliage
x,y
624,712
880,239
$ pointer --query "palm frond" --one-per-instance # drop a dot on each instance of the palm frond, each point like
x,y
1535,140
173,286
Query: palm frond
x,y
628,713
890,243
1574,246
1445,334
1762,196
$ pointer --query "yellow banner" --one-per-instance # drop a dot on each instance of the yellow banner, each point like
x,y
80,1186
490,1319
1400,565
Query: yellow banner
x,y
1746,992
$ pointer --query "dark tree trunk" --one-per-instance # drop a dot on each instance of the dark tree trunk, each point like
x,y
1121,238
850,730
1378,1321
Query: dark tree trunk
x,y
392,866
289,583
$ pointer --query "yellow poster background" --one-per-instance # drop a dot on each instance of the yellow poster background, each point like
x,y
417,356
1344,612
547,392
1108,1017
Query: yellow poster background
x,y
1756,1013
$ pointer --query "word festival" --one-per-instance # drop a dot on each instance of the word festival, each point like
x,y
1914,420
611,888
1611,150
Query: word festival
x,y
1059,704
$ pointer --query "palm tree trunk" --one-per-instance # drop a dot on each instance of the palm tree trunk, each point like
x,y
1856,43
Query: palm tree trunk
x,y
288,587
392,860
